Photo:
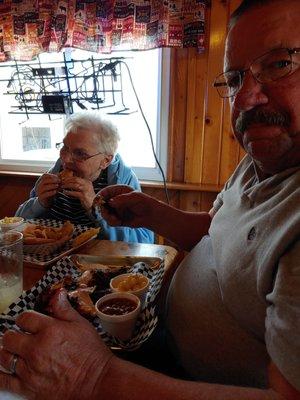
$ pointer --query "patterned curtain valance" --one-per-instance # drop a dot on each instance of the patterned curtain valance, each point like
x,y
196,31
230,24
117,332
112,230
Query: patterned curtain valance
x,y
29,27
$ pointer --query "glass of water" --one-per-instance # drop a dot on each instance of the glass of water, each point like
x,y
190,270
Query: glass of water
x,y
11,267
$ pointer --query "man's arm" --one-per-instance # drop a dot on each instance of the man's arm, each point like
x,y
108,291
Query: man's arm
x,y
280,384
126,381
181,227
91,372
135,209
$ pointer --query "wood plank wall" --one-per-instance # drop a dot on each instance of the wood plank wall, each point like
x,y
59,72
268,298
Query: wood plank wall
x,y
202,150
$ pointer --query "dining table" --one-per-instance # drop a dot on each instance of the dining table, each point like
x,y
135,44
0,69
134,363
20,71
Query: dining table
x,y
171,257
33,273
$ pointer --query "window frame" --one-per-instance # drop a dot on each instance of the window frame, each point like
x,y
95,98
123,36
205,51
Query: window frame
x,y
143,173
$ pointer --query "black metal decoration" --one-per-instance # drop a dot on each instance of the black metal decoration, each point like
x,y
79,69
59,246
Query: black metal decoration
x,y
61,87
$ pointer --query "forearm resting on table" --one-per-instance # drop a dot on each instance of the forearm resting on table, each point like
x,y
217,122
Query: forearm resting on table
x,y
126,381
181,227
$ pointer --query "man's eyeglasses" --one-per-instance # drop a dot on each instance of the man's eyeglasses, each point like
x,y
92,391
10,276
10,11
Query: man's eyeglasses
x,y
269,67
77,154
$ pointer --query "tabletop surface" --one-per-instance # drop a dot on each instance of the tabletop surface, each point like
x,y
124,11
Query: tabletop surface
x,y
170,255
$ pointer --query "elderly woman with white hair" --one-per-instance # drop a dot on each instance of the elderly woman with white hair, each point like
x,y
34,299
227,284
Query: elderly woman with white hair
x,y
88,162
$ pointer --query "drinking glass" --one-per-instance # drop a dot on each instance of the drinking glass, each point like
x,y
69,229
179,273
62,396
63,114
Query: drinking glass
x,y
11,267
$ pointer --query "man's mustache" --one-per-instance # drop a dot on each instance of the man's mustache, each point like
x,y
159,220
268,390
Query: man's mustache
x,y
259,116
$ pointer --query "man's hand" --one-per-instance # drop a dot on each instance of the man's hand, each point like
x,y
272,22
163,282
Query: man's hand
x,y
81,189
124,206
47,189
60,357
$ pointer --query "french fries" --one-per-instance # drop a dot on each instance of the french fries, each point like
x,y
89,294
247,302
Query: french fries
x,y
84,236
39,234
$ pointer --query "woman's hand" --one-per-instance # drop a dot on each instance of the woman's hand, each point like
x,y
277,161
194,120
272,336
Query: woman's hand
x,y
47,189
124,206
81,189
60,357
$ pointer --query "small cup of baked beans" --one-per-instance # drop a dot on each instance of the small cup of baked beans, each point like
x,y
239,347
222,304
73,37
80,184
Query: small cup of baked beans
x,y
134,283
118,313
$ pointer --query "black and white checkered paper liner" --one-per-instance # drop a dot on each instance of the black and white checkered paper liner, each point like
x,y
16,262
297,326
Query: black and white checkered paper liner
x,y
146,322
46,258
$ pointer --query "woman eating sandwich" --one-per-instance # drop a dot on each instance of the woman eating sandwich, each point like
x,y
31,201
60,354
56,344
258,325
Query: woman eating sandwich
x,y
88,162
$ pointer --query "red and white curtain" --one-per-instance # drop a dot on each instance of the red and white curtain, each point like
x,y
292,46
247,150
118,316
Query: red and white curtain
x,y
29,27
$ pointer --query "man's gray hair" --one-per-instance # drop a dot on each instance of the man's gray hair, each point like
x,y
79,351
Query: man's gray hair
x,y
104,132
245,6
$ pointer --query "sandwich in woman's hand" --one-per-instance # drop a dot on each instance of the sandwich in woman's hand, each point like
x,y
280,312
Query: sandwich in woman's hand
x,y
65,174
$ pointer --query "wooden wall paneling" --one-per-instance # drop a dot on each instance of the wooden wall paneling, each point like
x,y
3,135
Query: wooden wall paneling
x,y
207,199
233,4
193,137
231,152
196,201
13,191
196,104
160,195
242,153
213,117
190,201
230,148
177,115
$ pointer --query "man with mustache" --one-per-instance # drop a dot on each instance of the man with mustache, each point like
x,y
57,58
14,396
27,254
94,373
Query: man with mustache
x,y
233,308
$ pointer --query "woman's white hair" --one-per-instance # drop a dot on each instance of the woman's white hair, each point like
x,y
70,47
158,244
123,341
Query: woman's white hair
x,y
104,132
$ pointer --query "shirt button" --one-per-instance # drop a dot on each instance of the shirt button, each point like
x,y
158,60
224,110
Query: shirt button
x,y
251,233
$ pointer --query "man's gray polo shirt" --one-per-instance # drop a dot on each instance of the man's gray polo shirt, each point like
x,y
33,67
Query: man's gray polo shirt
x,y
235,300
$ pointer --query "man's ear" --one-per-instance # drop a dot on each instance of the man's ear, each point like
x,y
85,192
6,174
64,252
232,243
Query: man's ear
x,y
106,161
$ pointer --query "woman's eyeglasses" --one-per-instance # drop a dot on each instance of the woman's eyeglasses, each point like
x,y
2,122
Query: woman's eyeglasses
x,y
77,154
267,68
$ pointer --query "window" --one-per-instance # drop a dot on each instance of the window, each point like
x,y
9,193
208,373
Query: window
x,y
28,142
